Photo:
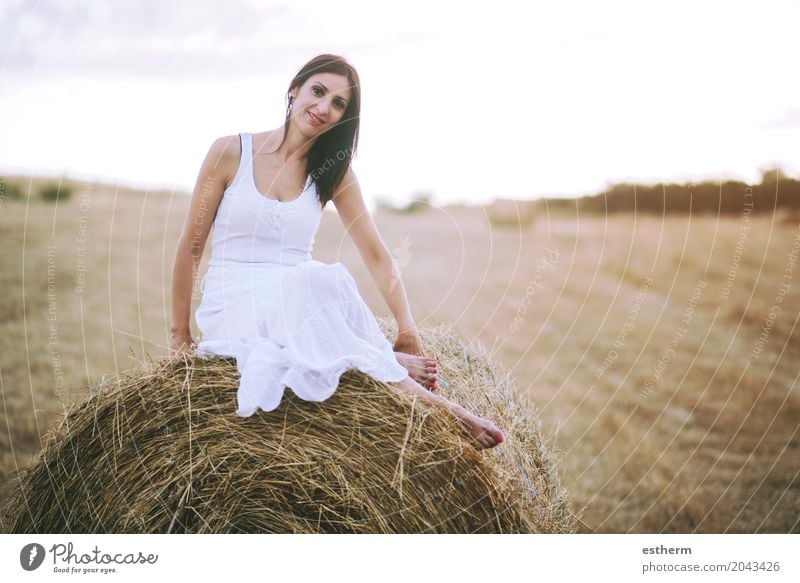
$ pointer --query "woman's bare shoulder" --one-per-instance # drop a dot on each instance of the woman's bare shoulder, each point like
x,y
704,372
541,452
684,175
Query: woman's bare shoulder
x,y
227,147
224,155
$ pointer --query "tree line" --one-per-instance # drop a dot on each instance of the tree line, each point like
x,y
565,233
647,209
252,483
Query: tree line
x,y
775,191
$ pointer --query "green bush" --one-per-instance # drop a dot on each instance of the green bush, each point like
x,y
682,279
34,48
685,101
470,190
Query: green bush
x,y
52,192
420,201
10,190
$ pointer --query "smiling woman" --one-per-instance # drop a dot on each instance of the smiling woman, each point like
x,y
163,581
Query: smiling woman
x,y
289,320
324,108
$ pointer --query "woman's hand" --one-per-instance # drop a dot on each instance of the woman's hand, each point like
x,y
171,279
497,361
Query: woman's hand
x,y
409,341
181,342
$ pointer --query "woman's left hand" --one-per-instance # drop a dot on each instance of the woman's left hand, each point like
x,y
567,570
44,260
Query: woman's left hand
x,y
410,342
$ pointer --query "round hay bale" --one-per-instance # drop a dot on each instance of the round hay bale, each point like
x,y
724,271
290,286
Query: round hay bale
x,y
161,450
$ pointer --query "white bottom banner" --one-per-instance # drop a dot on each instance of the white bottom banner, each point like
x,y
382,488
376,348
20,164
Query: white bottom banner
x,y
298,558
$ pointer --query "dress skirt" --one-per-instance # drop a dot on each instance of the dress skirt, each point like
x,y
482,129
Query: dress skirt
x,y
298,326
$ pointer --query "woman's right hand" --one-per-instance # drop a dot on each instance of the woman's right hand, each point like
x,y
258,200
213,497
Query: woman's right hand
x,y
181,342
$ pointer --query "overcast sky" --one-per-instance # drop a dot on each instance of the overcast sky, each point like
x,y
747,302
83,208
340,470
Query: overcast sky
x,y
469,100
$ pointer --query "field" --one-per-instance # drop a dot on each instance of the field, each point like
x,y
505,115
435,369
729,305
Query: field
x,y
661,352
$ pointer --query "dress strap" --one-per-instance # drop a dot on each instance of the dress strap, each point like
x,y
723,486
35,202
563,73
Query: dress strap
x,y
247,151
245,159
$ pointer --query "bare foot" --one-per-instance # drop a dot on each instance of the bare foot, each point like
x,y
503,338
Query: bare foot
x,y
420,368
485,433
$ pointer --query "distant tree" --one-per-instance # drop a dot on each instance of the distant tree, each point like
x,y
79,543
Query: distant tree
x,y
773,174
10,190
777,190
420,200
52,192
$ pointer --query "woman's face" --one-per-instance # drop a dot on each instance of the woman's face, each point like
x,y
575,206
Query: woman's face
x,y
321,102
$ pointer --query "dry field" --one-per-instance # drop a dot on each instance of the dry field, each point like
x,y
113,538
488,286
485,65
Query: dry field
x,y
661,353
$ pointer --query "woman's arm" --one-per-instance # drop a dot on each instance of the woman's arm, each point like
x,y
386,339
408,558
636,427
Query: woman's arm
x,y
359,224
211,183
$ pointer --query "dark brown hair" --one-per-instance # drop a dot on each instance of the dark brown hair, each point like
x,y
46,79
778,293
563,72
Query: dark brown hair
x,y
330,156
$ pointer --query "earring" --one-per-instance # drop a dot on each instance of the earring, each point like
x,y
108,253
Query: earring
x,y
289,109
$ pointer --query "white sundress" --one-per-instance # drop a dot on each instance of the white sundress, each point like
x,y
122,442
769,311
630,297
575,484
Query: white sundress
x,y
289,320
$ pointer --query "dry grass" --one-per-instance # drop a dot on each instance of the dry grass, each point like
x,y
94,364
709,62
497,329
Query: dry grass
x,y
711,448
161,450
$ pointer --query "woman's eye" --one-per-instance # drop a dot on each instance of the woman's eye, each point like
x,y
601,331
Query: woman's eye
x,y
316,90
340,104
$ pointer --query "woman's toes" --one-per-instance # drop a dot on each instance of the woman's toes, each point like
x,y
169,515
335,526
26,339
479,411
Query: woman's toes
x,y
493,435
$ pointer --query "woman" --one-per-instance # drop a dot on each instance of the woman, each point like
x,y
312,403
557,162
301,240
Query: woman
x,y
287,319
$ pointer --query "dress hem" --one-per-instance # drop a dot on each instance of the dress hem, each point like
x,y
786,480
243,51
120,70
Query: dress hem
x,y
349,365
